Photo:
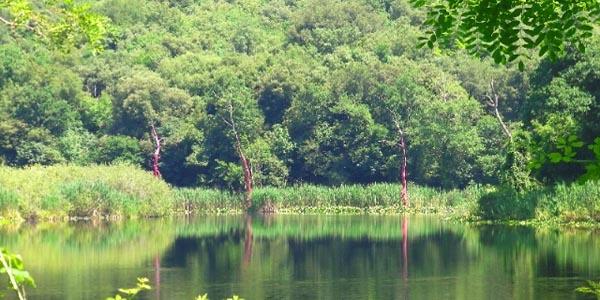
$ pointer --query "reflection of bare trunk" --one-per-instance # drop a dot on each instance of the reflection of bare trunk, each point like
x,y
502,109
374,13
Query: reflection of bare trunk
x,y
405,256
405,247
246,167
493,102
157,277
248,241
156,154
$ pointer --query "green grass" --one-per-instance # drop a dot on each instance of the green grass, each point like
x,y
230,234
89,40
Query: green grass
x,y
383,198
212,201
71,191
563,203
63,192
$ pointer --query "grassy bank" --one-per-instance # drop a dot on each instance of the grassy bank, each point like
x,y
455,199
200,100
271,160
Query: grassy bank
x,y
575,203
59,192
62,192
374,199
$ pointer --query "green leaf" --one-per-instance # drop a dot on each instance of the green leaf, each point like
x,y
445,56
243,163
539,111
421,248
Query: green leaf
x,y
555,157
521,66
577,144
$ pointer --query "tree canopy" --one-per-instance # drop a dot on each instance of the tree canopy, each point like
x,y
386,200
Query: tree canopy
x,y
318,91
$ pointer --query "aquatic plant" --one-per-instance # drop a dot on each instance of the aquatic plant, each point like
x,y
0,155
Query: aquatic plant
x,y
18,278
131,293
591,288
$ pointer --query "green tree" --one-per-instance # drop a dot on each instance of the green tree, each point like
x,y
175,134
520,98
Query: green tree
x,y
63,23
118,149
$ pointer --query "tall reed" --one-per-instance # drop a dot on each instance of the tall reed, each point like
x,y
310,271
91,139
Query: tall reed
x,y
61,191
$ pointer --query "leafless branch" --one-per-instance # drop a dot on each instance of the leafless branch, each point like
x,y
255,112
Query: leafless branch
x,y
493,100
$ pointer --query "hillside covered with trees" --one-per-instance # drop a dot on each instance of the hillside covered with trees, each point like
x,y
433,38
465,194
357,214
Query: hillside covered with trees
x,y
309,90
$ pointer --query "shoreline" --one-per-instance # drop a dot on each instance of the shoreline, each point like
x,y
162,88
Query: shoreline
x,y
315,211
70,193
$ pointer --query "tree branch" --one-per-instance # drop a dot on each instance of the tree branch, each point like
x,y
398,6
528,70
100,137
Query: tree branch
x,y
493,102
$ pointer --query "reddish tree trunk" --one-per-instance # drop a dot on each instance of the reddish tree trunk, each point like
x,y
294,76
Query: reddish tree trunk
x,y
248,180
403,174
156,154
246,167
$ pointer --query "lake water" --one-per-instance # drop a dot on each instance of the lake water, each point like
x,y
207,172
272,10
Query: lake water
x,y
306,257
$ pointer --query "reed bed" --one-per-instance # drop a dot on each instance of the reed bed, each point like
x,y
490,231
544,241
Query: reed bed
x,y
91,191
375,198
67,192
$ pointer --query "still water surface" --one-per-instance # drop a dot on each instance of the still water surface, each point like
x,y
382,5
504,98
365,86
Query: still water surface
x,y
306,257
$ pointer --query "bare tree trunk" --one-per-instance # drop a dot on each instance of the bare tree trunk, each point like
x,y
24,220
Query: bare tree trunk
x,y
493,103
248,184
156,154
246,166
404,165
403,175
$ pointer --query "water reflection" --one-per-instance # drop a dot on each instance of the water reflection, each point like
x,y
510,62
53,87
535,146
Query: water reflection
x,y
299,257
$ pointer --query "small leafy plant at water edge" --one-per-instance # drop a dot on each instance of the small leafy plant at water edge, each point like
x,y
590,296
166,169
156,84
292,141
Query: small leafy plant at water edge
x,y
12,266
591,288
205,297
131,293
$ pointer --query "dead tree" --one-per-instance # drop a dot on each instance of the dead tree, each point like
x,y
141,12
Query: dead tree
x,y
404,164
246,166
493,100
156,155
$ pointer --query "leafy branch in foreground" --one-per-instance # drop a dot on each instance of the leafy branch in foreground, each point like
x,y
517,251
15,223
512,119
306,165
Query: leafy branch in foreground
x,y
565,150
12,266
61,23
508,29
591,288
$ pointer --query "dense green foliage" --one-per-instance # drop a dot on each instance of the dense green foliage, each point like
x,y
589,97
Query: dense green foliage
x,y
62,24
318,91
507,30
316,88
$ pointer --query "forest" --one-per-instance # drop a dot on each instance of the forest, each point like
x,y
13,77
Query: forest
x,y
300,149
319,92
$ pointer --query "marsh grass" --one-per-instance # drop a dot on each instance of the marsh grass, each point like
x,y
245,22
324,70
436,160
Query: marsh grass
x,y
92,191
563,203
67,192
187,201
381,198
